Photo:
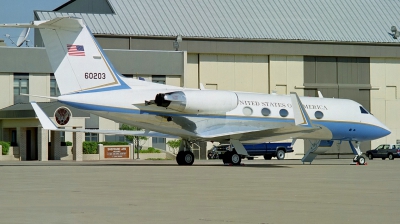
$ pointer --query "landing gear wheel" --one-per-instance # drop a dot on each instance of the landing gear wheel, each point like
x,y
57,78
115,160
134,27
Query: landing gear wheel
x,y
280,154
179,157
232,157
355,159
370,157
185,158
361,160
236,159
226,157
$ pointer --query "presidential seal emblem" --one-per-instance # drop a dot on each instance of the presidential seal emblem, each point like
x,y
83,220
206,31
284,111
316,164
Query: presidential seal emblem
x,y
62,115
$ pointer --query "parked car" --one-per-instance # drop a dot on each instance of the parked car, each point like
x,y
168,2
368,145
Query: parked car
x,y
384,151
268,150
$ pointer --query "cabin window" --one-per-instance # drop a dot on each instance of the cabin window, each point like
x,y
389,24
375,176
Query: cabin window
x,y
265,112
363,110
247,111
283,113
318,114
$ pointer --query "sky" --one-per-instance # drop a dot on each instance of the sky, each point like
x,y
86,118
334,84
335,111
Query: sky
x,y
21,11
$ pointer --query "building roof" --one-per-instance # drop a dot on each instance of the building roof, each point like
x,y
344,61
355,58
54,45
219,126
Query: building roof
x,y
306,20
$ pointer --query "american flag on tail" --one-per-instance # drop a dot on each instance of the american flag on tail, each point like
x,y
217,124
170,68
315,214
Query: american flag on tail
x,y
75,50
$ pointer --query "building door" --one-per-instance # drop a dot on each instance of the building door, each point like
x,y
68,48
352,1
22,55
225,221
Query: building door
x,y
28,145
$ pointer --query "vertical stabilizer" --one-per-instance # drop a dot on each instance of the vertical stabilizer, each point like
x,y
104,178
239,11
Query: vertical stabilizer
x,y
76,58
78,62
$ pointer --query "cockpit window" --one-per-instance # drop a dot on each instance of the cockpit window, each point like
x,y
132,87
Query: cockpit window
x,y
363,110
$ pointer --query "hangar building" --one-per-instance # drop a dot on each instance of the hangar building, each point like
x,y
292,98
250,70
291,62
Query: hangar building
x,y
345,49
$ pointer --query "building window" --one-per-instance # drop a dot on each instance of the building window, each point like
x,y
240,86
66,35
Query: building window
x,y
21,86
54,91
91,137
160,79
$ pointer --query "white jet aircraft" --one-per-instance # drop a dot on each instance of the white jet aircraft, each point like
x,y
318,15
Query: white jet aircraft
x,y
87,80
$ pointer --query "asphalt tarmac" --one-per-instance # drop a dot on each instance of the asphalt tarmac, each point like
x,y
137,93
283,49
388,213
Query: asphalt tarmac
x,y
327,191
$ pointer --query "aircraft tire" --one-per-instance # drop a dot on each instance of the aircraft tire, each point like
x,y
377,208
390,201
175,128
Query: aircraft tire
x,y
361,160
280,154
179,158
226,157
188,158
185,158
235,159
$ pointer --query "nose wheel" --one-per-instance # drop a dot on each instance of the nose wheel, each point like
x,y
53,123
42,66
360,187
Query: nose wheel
x,y
359,159
357,151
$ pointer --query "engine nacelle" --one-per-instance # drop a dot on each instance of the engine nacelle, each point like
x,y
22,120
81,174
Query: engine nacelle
x,y
198,101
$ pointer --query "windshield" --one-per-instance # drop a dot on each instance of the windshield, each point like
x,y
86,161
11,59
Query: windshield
x,y
363,110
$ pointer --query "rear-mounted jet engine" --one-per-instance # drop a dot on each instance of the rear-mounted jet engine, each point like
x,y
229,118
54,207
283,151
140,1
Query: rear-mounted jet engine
x,y
206,102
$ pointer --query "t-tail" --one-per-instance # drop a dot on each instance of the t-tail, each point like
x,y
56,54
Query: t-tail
x,y
78,62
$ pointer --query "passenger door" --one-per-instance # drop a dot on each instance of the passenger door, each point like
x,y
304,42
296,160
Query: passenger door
x,y
384,151
375,152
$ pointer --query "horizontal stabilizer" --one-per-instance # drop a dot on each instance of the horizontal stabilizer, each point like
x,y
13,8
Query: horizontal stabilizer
x,y
43,118
49,125
64,22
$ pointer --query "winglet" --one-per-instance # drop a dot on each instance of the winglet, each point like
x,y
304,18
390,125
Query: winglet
x,y
43,118
300,114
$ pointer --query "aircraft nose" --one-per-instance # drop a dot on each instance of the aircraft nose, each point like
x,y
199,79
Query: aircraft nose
x,y
384,130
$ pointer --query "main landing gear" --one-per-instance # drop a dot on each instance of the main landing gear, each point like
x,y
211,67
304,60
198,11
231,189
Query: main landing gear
x,y
357,151
185,155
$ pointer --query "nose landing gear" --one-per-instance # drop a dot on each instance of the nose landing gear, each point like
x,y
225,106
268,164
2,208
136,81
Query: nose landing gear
x,y
357,151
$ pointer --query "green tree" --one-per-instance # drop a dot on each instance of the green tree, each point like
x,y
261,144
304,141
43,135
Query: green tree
x,y
174,144
139,139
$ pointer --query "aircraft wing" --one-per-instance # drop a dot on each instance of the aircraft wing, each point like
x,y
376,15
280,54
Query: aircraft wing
x,y
273,134
120,132
49,125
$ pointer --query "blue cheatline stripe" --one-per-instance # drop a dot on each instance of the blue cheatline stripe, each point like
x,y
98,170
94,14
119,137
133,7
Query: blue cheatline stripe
x,y
340,130
122,84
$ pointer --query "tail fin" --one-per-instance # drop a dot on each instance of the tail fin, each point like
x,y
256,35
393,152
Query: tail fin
x,y
78,62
